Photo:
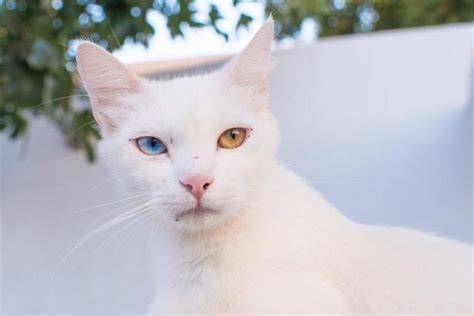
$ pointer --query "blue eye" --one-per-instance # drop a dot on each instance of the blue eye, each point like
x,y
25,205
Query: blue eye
x,y
151,145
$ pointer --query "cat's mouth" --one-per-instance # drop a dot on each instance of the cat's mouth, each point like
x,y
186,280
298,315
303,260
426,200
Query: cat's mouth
x,y
196,212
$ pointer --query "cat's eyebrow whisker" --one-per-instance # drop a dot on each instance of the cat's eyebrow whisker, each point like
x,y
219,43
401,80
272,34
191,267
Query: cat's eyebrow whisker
x,y
113,32
78,128
57,99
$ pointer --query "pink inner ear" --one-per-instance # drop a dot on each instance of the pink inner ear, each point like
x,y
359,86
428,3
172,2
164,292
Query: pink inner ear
x,y
103,74
103,118
252,65
106,79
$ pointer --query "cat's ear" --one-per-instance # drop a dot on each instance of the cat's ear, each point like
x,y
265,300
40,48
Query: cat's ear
x,y
250,68
106,80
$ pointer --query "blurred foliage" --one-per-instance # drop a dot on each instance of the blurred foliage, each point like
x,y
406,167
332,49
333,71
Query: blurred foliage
x,y
38,37
338,17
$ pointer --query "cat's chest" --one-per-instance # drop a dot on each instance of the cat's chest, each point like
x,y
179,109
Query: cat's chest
x,y
240,286
200,286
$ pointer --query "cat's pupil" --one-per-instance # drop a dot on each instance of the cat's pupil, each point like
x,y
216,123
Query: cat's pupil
x,y
233,134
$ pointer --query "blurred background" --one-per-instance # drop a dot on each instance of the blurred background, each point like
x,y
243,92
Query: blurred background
x,y
38,40
374,99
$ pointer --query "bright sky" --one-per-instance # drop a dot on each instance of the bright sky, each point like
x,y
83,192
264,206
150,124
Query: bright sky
x,y
205,41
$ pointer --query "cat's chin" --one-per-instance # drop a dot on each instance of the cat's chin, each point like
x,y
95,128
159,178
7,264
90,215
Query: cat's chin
x,y
198,219
196,213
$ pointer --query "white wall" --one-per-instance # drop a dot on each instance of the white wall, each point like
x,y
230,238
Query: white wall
x,y
380,123
383,125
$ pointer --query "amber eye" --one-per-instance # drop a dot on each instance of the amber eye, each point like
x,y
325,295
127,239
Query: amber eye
x,y
232,138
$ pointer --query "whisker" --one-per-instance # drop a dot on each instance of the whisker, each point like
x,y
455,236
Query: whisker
x,y
78,128
132,204
145,219
108,203
95,187
113,32
139,218
57,99
117,176
117,220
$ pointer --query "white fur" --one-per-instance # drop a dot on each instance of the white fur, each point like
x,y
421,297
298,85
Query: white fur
x,y
275,244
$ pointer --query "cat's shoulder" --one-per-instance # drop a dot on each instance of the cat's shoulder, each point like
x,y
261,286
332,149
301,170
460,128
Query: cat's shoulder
x,y
416,240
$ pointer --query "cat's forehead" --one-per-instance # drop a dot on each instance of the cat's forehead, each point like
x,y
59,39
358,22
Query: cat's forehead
x,y
189,94
204,102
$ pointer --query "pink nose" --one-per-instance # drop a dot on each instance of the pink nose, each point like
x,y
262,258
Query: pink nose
x,y
197,184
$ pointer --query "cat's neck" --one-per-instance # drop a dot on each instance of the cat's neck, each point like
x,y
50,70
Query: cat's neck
x,y
215,241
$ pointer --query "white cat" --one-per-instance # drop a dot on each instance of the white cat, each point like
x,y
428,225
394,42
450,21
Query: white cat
x,y
240,232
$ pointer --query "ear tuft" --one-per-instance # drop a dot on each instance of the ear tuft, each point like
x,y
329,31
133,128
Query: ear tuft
x,y
105,79
251,67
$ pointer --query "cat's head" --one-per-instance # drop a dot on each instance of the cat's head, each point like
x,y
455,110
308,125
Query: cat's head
x,y
197,147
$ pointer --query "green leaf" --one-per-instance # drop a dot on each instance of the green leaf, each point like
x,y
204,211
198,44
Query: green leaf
x,y
244,21
19,125
90,152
